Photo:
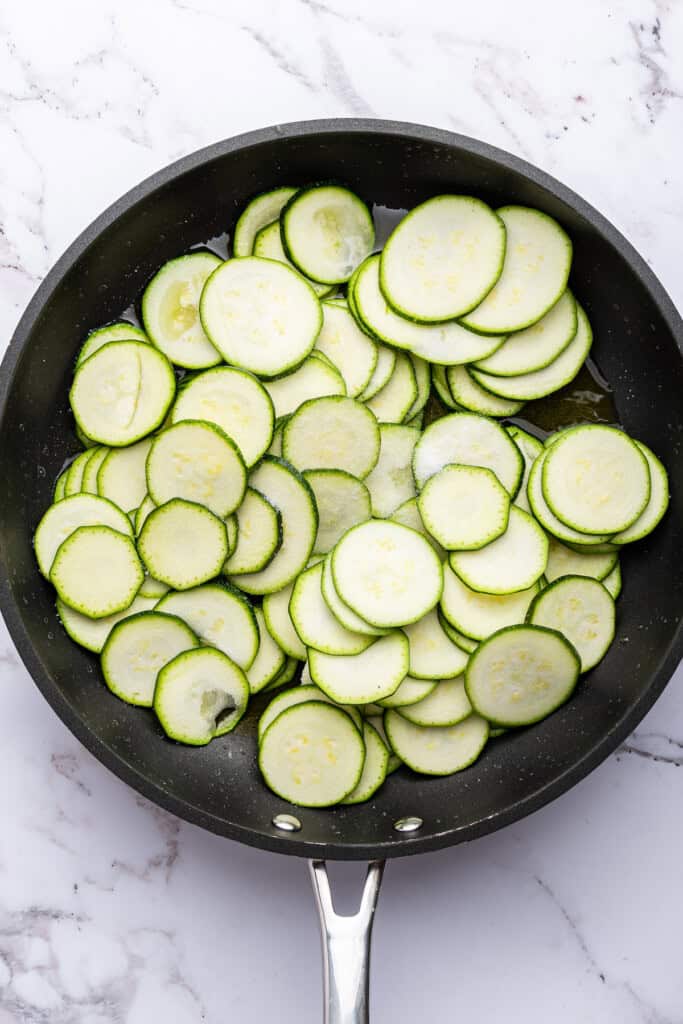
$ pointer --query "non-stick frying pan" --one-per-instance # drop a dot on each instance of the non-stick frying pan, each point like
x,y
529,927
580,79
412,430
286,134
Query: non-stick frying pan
x,y
638,341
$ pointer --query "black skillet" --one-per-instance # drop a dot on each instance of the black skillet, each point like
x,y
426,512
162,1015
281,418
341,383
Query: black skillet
x,y
638,342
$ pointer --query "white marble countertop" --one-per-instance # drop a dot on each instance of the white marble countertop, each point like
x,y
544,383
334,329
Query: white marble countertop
x,y
112,912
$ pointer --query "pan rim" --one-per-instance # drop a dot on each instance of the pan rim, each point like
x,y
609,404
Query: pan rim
x,y
403,845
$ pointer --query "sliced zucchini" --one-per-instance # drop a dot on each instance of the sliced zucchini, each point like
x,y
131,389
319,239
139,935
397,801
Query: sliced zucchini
x,y
220,616
312,755
582,610
199,695
136,650
530,448
231,532
564,561
657,505
423,383
259,534
362,678
538,256
596,479
469,440
233,400
315,378
314,622
392,403
351,350
153,588
276,444
92,468
416,421
262,210
289,493
512,562
391,481
260,315
284,676
440,383
342,502
386,573
92,633
268,245
433,655
443,258
472,396
332,433
377,722
60,485
74,474
269,660
66,516
327,231
300,695
551,378
122,392
465,643
279,622
439,750
386,361
521,674
195,460
183,544
96,571
408,514
464,507
536,347
446,343
447,704
142,512
478,615
121,476
374,768
409,692
170,310
545,516
339,609
612,582
121,331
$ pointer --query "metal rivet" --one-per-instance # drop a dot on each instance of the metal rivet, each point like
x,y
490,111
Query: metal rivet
x,y
408,824
287,823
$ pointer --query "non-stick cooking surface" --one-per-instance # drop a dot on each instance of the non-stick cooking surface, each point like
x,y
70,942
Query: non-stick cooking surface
x,y
638,340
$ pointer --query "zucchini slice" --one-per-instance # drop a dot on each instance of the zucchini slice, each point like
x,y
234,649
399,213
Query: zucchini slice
x,y
387,573
512,562
564,561
439,750
260,315
136,650
268,245
408,514
259,535
469,394
269,660
545,516
233,400
612,582
339,609
377,722
537,346
582,610
279,622
92,633
374,768
551,378
469,440
342,502
423,383
657,505
442,388
362,678
300,695
447,704
200,694
391,481
314,622
443,258
170,310
59,491
121,477
73,482
96,571
153,588
332,433
220,616
92,468
198,462
183,544
386,361
122,392
262,210
393,402
596,479
317,377
538,256
142,512
433,655
465,643
464,507
351,350
327,231
312,755
289,493
521,674
409,692
66,516
120,331
530,448
284,676
477,615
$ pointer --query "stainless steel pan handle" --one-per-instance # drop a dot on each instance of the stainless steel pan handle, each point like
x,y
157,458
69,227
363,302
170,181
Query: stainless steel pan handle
x,y
346,947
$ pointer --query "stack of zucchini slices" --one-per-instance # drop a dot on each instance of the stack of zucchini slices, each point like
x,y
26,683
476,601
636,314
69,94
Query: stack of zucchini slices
x,y
257,491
